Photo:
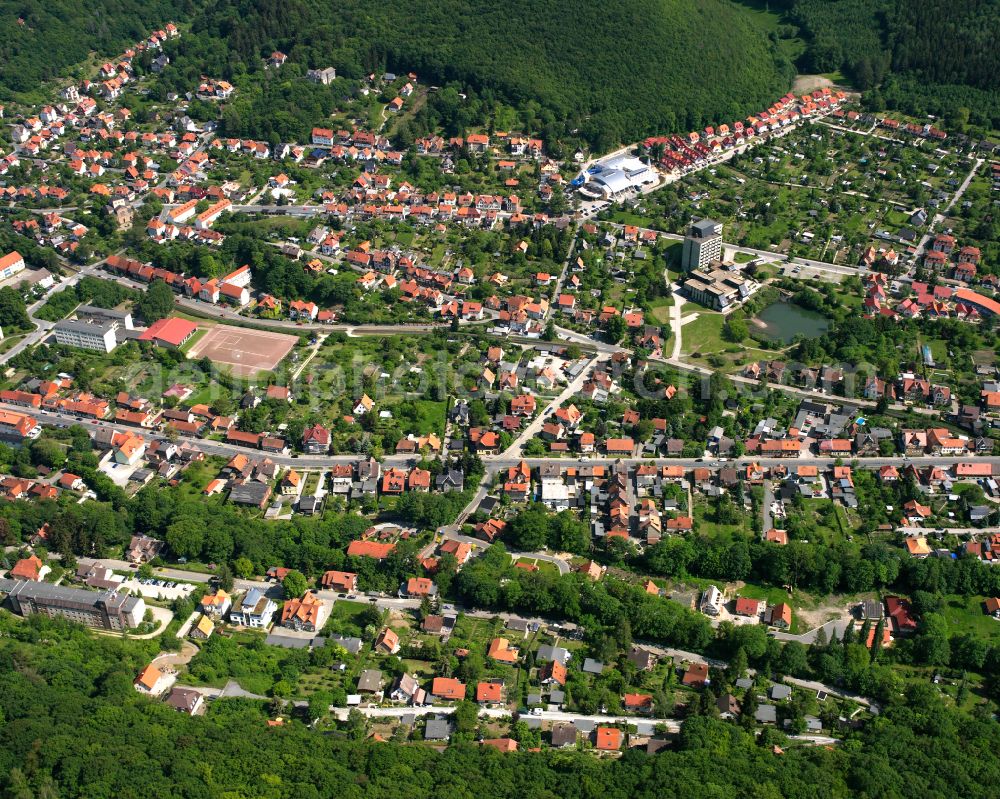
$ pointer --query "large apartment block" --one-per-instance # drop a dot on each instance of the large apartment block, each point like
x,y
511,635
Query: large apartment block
x,y
702,245
108,610
98,336
91,313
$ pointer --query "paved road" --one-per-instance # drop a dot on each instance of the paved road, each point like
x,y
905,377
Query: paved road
x,y
673,725
941,215
675,361
586,722
768,522
676,323
535,426
812,685
204,445
43,326
501,461
227,314
831,628
509,458
562,277
959,531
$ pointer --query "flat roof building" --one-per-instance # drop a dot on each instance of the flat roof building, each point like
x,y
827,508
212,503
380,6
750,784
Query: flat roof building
x,y
702,245
719,288
108,610
91,313
99,336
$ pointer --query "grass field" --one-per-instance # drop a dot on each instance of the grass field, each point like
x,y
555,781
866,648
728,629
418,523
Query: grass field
x,y
628,218
430,415
704,334
704,518
966,615
660,309
198,334
543,565
346,615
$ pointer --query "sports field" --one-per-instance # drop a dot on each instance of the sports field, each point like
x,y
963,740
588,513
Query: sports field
x,y
244,351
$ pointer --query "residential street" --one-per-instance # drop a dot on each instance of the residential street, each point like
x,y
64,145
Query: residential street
x,y
533,429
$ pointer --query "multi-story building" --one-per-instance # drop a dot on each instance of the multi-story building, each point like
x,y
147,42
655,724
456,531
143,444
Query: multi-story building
x,y
324,76
98,336
718,288
255,610
711,601
16,427
702,245
11,264
91,313
108,610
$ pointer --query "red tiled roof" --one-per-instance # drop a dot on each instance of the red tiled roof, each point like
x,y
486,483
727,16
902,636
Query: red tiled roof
x,y
609,739
173,331
371,549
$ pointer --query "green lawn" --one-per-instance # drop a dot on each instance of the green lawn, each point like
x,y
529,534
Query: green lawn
x,y
198,334
772,595
628,218
543,565
704,334
705,524
430,416
966,615
660,309
346,613
825,521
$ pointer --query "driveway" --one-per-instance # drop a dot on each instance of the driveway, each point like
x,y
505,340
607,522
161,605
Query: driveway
x,y
831,628
766,506
558,562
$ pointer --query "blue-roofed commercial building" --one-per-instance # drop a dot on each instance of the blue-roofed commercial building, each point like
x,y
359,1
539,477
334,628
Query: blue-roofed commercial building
x,y
614,177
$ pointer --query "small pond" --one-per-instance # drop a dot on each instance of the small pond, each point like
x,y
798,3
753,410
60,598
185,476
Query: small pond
x,y
783,321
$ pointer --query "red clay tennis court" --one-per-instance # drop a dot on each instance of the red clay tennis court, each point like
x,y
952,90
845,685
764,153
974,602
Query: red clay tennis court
x,y
244,351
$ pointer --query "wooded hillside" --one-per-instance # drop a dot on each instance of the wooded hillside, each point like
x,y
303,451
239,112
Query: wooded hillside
x,y
924,56
71,725
41,41
615,70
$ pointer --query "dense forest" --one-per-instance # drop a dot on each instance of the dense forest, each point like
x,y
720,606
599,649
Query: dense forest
x,y
71,725
599,73
922,56
612,71
41,41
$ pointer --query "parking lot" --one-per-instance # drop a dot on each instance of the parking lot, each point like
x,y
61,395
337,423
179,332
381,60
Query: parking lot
x,y
158,589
